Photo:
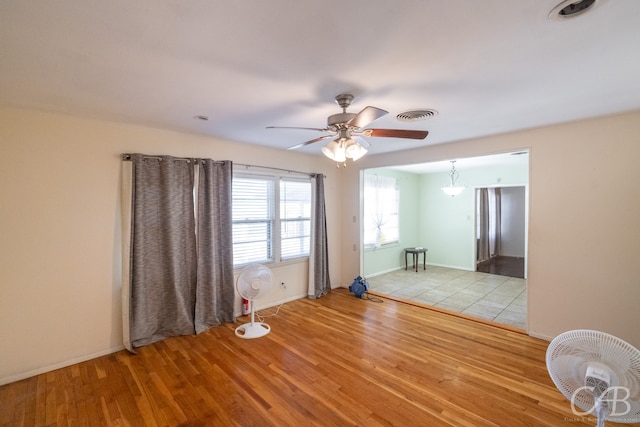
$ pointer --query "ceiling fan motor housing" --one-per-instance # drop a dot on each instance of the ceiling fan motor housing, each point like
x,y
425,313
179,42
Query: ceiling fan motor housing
x,y
340,120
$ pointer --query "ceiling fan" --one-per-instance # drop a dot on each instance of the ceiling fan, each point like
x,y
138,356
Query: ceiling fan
x,y
348,129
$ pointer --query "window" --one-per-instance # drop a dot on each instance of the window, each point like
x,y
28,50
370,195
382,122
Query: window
x,y
271,218
381,200
253,219
295,218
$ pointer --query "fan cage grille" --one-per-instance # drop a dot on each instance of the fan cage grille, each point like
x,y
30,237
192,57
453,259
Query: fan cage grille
x,y
570,353
254,280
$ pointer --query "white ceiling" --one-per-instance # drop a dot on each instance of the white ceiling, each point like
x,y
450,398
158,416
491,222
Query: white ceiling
x,y
487,67
517,159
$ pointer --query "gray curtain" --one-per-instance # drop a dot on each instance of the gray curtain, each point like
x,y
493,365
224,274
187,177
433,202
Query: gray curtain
x,y
489,202
497,221
319,282
482,195
215,292
163,249
180,278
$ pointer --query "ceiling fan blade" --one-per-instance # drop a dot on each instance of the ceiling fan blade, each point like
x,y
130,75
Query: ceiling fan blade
x,y
396,133
311,141
360,140
294,127
366,116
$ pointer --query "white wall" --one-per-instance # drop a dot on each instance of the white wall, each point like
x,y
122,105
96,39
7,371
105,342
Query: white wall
x,y
584,226
512,221
60,256
447,226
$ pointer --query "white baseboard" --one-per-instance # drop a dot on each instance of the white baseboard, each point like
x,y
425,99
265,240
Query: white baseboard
x,y
380,273
53,367
274,303
455,267
280,301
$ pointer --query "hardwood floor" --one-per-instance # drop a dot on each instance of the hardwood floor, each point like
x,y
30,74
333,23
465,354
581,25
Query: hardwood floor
x,y
503,266
335,361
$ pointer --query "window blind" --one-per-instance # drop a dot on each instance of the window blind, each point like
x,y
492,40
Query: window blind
x,y
253,219
295,218
271,218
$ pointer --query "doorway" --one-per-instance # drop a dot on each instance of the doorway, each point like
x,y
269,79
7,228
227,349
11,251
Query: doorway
x,y
446,226
501,230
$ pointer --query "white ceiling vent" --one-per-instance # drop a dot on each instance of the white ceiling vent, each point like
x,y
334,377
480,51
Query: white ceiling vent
x,y
416,115
572,8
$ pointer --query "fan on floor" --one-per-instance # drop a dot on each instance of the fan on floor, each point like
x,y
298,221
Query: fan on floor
x,y
254,280
598,373
348,130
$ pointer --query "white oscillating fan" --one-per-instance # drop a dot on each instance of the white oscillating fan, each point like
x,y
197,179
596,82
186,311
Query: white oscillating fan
x,y
598,373
254,280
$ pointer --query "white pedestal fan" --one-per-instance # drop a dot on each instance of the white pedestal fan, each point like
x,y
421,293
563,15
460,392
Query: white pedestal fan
x,y
598,373
254,280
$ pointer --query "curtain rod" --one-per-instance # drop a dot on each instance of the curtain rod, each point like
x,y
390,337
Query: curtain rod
x,y
127,157
277,169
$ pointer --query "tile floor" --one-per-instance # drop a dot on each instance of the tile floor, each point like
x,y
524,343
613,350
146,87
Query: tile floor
x,y
501,299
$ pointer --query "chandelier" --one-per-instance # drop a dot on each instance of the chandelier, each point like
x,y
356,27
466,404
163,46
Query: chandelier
x,y
343,148
452,189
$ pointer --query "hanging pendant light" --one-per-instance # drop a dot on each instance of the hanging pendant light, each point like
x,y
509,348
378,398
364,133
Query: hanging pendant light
x,y
452,189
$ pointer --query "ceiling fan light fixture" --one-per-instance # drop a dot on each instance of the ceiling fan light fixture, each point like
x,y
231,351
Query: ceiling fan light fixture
x,y
354,150
335,150
343,148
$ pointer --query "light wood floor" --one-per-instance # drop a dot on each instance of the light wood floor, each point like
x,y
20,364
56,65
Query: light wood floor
x,y
336,361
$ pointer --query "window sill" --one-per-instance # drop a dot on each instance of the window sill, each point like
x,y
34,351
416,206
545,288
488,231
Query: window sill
x,y
272,264
372,248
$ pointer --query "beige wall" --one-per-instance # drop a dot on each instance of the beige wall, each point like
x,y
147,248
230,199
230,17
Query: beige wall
x,y
59,226
584,220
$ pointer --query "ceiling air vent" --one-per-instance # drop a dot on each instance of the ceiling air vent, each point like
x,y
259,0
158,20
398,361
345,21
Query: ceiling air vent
x,y
416,115
571,8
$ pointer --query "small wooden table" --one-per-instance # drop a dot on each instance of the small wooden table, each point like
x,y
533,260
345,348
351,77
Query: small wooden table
x,y
416,257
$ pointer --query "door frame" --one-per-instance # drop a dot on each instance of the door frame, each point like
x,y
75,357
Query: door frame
x,y
526,222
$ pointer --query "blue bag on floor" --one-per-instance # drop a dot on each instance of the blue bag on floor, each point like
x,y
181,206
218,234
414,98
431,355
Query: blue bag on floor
x,y
359,287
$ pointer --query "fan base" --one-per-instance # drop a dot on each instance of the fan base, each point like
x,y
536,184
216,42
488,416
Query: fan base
x,y
252,330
